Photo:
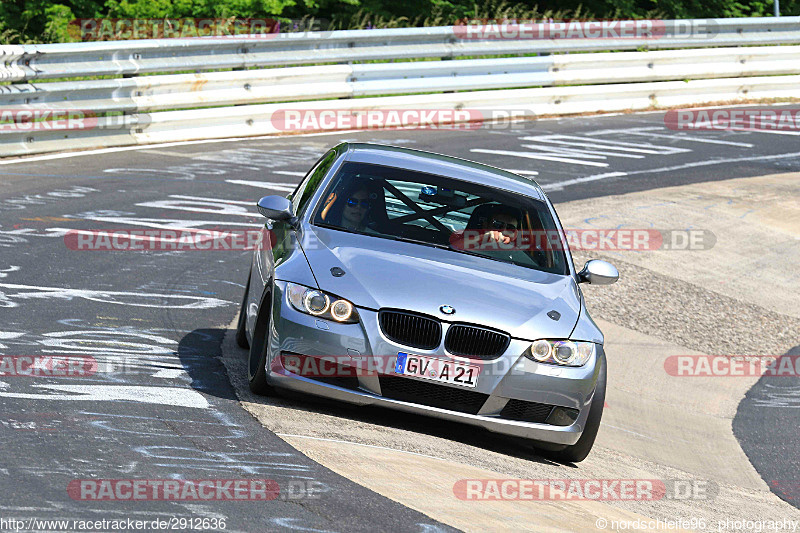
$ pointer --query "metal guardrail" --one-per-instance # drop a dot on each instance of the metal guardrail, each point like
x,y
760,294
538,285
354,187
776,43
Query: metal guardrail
x,y
254,120
723,67
49,61
181,91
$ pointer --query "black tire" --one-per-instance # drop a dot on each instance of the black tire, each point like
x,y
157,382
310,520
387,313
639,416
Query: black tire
x,y
241,325
580,450
257,359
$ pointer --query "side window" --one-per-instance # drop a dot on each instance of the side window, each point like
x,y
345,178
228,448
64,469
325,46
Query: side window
x,y
310,183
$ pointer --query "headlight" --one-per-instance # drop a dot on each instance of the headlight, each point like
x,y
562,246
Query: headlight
x,y
321,304
316,302
566,353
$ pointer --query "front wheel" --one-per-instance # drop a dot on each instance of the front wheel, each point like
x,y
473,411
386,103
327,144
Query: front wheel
x,y
580,450
257,359
241,325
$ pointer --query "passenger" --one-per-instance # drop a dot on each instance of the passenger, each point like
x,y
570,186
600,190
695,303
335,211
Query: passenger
x,y
354,213
351,211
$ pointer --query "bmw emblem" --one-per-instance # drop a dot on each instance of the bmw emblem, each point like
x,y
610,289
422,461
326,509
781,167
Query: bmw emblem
x,y
448,309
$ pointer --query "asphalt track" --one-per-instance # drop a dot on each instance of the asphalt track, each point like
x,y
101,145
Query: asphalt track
x,y
769,436
169,411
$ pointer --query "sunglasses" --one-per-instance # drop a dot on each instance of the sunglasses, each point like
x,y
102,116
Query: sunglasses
x,y
354,202
499,225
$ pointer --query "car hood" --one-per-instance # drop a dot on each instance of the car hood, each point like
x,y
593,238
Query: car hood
x,y
382,273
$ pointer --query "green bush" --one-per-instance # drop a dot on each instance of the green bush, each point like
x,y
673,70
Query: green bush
x,y
23,21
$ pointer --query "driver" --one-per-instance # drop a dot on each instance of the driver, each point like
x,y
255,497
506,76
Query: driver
x,y
501,225
491,228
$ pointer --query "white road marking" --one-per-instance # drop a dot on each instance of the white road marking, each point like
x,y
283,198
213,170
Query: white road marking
x,y
523,172
606,144
130,468
4,272
566,152
773,132
532,155
212,200
15,508
265,185
169,373
175,396
289,173
579,152
716,162
156,300
647,133
158,223
295,524
106,421
196,204
561,184
9,335
197,459
135,345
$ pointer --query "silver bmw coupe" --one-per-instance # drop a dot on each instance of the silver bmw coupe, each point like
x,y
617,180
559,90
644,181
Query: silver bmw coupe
x,y
432,285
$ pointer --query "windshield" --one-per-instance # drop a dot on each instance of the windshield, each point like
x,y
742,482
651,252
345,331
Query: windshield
x,y
463,217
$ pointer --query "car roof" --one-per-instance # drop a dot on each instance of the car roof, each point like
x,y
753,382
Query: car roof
x,y
443,165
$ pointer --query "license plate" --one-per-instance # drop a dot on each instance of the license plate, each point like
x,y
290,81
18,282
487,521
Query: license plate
x,y
434,369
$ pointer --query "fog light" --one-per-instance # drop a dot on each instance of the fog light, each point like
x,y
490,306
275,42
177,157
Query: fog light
x,y
562,416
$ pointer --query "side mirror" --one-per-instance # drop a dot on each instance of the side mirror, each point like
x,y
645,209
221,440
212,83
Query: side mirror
x,y
597,272
276,208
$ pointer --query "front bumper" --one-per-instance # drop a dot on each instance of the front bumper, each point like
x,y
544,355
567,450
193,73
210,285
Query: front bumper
x,y
509,377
